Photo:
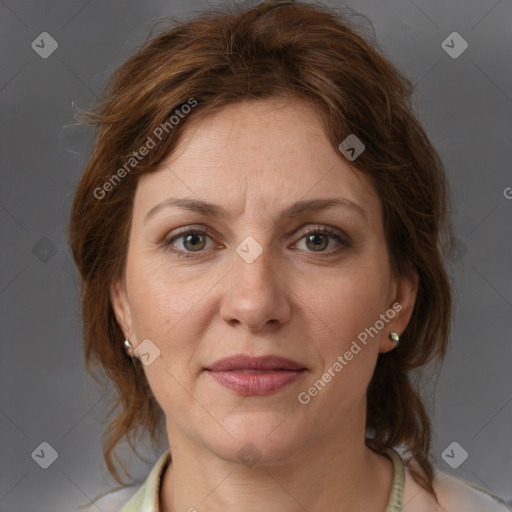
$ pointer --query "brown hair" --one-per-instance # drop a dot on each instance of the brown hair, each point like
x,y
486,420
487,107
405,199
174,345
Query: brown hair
x,y
276,48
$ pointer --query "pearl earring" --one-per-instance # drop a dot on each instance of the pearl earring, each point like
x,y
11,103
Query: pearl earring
x,y
394,337
128,347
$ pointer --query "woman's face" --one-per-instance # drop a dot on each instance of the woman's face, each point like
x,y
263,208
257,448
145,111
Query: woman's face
x,y
256,280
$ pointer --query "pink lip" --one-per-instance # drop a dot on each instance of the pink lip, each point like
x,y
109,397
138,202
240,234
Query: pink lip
x,y
255,375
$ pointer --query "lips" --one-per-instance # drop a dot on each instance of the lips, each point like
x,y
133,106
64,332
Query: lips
x,y
247,375
265,363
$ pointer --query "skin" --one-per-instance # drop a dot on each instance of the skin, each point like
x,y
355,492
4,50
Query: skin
x,y
296,300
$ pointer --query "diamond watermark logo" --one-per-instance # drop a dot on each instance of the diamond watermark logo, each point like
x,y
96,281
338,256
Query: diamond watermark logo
x,y
44,45
44,249
249,455
147,352
249,249
454,45
45,455
454,455
351,147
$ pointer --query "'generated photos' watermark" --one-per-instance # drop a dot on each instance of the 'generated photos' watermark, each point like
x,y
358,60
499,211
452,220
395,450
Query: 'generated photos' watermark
x,y
150,143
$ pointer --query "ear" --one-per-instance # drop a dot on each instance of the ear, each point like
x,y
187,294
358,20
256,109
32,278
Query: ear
x,y
404,290
122,310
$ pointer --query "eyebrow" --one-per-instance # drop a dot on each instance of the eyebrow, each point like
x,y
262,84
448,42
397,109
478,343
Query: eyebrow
x,y
295,210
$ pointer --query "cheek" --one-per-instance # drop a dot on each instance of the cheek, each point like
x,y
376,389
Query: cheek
x,y
161,297
344,305
340,321
170,309
167,311
341,314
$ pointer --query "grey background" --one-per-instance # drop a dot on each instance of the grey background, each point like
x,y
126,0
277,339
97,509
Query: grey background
x,y
465,105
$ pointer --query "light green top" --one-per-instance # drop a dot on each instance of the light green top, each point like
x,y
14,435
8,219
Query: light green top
x,y
147,498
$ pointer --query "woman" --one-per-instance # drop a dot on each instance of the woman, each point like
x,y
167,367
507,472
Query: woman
x,y
262,227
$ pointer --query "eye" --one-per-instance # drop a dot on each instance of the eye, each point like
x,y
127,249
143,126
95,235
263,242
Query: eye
x,y
193,240
317,240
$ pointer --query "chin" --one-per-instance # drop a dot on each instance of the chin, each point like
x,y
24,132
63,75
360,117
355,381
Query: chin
x,y
259,438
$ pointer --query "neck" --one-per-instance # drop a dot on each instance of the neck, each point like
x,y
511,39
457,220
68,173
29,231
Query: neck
x,y
344,475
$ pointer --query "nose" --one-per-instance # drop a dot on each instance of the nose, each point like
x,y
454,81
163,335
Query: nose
x,y
255,294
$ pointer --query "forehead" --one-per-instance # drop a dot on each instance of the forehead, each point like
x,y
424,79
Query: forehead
x,y
266,153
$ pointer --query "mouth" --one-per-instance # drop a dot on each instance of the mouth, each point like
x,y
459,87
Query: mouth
x,y
248,376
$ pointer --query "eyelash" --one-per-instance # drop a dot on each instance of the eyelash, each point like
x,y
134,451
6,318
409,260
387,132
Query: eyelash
x,y
316,231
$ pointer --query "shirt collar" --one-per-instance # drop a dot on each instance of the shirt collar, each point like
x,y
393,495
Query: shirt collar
x,y
395,502
147,498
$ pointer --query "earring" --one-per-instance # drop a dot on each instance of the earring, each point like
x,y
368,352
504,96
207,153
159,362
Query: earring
x,y
394,337
128,347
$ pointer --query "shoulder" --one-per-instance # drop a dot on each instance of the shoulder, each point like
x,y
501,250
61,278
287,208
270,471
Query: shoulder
x,y
454,493
143,497
114,501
